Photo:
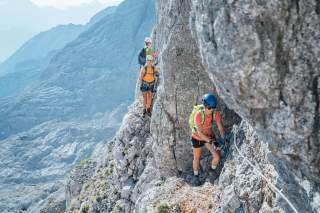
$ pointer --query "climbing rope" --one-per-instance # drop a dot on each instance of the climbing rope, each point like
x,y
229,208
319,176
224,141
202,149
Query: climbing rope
x,y
258,172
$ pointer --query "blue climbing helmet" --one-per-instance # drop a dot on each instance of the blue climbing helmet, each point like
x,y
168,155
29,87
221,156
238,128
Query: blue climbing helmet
x,y
209,100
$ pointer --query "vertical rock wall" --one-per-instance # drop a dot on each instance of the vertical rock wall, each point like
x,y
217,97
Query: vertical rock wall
x,y
183,82
263,57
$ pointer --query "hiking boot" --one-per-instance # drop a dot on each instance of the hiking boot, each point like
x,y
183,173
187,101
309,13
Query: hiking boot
x,y
149,112
144,113
196,180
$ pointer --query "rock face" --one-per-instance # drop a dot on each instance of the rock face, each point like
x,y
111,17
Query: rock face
x,y
261,58
184,81
112,185
242,187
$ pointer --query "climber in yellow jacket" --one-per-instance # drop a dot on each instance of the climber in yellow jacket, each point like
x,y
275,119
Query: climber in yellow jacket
x,y
148,75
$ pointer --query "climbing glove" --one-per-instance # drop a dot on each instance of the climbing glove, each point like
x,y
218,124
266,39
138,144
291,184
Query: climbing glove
x,y
219,143
216,145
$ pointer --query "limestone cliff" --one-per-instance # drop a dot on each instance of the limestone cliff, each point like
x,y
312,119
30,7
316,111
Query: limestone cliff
x,y
261,58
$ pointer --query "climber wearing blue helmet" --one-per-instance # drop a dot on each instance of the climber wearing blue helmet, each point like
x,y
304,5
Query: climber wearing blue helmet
x,y
209,101
200,121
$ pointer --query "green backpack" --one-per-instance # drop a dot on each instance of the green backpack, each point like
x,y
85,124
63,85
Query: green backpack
x,y
196,109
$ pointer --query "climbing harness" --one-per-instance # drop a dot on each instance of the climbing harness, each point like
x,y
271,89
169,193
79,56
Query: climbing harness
x,y
235,130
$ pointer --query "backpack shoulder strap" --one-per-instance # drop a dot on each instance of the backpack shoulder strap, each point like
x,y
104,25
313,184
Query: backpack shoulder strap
x,y
202,116
152,69
201,109
145,71
214,115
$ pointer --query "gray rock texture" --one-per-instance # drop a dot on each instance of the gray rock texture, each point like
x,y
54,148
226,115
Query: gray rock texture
x,y
184,81
111,185
242,186
261,58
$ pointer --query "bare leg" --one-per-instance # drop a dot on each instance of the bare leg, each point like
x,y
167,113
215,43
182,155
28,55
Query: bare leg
x,y
215,154
216,158
149,99
145,98
196,158
210,148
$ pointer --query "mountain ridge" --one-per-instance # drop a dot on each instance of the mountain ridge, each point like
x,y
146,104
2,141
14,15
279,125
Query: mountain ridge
x,y
26,65
18,12
58,122
259,59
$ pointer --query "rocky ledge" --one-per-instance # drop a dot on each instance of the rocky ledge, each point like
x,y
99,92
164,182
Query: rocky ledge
x,y
261,58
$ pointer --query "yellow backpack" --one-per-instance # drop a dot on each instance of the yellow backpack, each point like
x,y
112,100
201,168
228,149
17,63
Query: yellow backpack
x,y
196,109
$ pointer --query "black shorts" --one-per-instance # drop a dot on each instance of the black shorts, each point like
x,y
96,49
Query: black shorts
x,y
145,86
196,143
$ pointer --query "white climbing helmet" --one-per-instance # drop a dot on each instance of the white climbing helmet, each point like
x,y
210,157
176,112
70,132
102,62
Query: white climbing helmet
x,y
147,40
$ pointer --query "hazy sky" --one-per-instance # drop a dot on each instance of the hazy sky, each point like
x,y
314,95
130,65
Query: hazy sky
x,y
65,4
22,19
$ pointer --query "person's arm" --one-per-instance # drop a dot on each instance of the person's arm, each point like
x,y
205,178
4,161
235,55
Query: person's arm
x,y
156,70
221,129
219,124
142,74
203,136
